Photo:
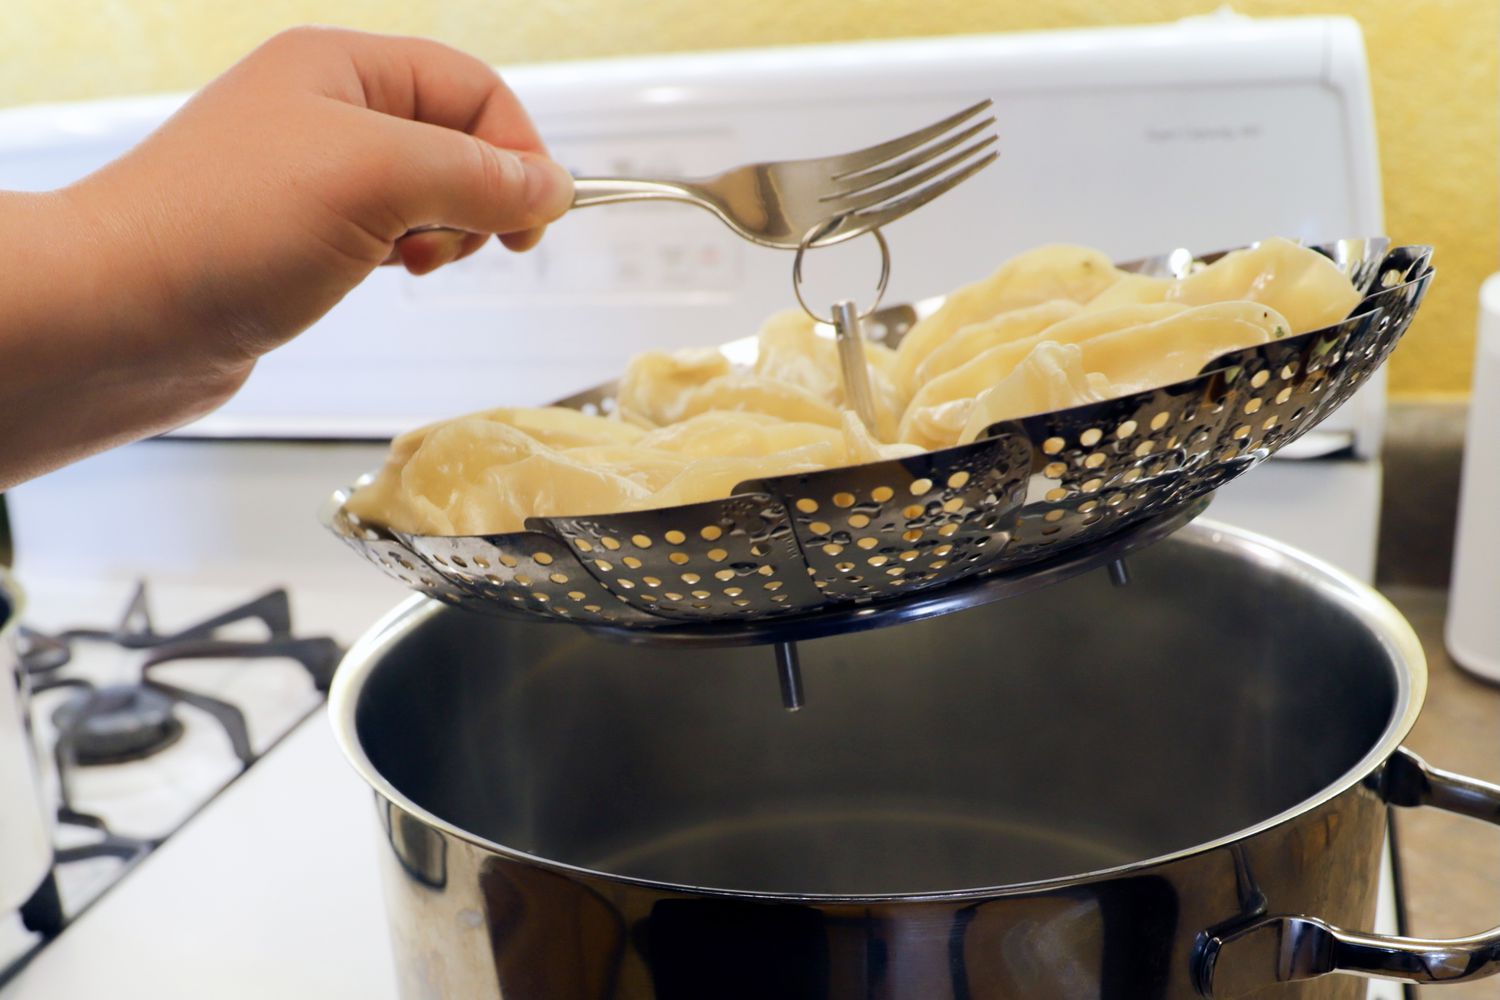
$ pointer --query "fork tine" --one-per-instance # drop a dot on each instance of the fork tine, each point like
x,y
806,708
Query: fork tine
x,y
879,175
873,156
907,182
859,223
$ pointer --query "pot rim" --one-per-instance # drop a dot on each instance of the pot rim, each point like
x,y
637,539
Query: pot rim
x,y
1361,600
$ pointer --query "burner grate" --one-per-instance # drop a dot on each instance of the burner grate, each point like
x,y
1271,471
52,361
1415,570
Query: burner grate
x,y
121,723
106,724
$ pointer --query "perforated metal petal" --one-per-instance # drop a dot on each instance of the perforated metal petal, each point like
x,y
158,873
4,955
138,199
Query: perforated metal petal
x,y
1397,291
528,572
1024,493
733,558
868,530
396,557
1095,464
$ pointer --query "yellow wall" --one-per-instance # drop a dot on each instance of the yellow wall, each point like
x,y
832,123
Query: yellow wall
x,y
1435,67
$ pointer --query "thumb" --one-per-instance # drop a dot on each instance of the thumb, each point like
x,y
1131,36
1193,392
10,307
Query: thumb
x,y
451,178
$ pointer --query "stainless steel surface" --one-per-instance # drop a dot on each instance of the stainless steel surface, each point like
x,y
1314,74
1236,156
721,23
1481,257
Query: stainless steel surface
x,y
1119,573
1292,948
808,242
25,826
1021,496
853,368
1108,552
781,204
1450,865
1062,795
789,675
777,204
846,318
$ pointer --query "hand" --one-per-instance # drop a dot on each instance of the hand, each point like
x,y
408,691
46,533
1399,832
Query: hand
x,y
152,286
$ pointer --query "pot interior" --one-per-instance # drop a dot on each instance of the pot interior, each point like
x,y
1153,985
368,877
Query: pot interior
x,y
1077,728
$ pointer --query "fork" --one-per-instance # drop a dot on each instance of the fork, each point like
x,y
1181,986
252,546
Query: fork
x,y
818,202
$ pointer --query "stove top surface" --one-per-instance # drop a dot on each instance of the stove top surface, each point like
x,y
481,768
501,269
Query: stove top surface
x,y
147,702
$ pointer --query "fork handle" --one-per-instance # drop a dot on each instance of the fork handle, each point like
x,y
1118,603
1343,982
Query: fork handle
x,y
608,190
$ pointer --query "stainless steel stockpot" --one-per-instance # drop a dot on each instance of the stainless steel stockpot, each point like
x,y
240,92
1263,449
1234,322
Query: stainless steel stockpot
x,y
1175,788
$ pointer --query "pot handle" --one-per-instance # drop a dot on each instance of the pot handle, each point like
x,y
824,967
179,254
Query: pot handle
x,y
1232,963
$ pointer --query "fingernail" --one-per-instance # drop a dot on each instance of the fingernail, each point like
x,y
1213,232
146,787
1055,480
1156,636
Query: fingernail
x,y
549,188
450,245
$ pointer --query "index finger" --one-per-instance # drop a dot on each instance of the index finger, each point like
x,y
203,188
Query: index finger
x,y
430,82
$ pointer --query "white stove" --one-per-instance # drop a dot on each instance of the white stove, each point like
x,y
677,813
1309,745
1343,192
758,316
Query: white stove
x,y
1134,140
152,796
116,813
269,893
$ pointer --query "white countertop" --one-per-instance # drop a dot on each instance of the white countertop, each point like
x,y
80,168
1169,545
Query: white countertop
x,y
272,892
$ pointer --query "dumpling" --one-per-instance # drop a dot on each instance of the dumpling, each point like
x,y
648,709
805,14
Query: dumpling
x,y
1118,351
1058,271
1051,377
1300,284
722,449
1131,290
474,476
890,398
715,478
990,367
791,381
742,435
756,394
1053,328
791,351
655,383
650,468
1178,347
563,427
1008,327
862,446
939,425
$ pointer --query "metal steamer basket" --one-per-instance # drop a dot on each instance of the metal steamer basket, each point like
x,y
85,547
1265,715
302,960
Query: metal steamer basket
x,y
1030,501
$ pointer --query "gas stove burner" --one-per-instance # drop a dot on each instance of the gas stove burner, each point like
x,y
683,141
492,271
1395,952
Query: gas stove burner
x,y
42,653
133,722
129,722
117,724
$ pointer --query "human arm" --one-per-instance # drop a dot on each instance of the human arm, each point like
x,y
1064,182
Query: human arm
x,y
140,297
